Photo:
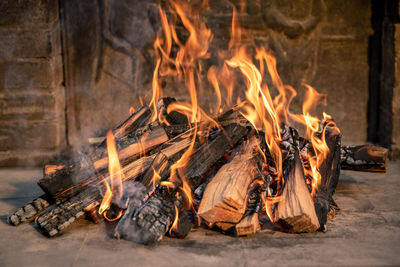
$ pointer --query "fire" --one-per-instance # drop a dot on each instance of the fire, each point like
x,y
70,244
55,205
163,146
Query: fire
x,y
267,114
114,183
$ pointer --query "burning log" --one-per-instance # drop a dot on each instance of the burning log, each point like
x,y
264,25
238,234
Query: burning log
x,y
71,179
57,219
29,211
295,211
224,199
366,158
76,175
148,223
135,120
330,172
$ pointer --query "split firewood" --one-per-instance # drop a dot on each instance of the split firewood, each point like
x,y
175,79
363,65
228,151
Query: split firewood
x,y
149,222
248,225
330,172
29,211
224,199
368,158
295,211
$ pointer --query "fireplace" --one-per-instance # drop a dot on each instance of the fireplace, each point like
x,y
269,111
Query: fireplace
x,y
59,70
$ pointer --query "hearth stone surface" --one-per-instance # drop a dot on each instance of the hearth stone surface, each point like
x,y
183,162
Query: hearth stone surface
x,y
365,232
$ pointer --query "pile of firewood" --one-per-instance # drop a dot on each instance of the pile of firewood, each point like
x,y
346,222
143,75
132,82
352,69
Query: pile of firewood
x,y
230,172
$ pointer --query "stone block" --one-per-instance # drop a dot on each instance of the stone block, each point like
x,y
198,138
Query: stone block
x,y
28,43
28,12
27,75
27,107
28,135
342,74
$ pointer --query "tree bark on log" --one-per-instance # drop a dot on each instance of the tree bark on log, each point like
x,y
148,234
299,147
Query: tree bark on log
x,y
330,172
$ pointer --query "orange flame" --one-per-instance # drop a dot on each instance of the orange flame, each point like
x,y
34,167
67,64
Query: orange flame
x,y
259,71
114,183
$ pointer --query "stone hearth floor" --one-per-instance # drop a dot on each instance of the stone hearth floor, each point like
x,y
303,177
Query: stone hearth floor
x,y
365,232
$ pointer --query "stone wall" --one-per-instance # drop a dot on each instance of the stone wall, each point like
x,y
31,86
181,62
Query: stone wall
x,y
396,98
108,61
32,125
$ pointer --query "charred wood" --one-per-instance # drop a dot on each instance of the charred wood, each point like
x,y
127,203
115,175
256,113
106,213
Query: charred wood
x,y
330,172
29,211
366,158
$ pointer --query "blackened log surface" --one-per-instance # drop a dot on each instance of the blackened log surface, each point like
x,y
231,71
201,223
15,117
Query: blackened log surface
x,y
330,172
55,220
136,120
66,182
364,158
183,226
148,223
173,117
29,211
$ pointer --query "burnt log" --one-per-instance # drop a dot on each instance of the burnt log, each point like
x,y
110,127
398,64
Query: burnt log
x,y
29,211
149,223
55,220
368,158
70,180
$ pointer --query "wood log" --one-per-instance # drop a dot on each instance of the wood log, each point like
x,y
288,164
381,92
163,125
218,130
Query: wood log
x,y
224,199
295,211
149,223
153,139
29,211
248,225
54,221
330,172
70,180
135,120
368,158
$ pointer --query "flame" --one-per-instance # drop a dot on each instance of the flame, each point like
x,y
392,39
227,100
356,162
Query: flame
x,y
114,185
175,223
131,110
257,68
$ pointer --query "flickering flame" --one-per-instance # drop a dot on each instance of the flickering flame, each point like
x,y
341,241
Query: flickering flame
x,y
114,183
265,113
131,110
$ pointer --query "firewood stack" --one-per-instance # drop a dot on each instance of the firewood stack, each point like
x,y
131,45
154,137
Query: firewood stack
x,y
229,172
